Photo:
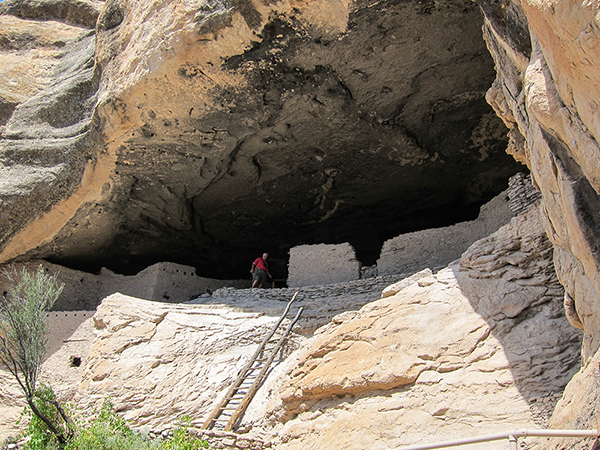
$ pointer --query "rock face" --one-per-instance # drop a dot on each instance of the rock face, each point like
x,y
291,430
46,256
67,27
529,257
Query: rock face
x,y
448,356
47,102
207,133
160,362
547,93
200,131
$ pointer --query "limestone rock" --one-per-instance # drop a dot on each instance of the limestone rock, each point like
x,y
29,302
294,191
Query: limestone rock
x,y
447,354
578,405
516,264
397,287
47,104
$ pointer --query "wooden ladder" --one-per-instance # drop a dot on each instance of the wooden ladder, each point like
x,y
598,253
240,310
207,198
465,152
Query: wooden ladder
x,y
242,391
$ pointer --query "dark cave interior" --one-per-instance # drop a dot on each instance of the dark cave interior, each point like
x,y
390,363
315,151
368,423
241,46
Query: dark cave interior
x,y
381,131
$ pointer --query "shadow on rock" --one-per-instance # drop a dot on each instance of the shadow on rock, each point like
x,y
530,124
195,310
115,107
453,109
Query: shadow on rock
x,y
510,281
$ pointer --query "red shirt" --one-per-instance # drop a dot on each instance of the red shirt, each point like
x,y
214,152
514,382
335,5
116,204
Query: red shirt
x,y
261,264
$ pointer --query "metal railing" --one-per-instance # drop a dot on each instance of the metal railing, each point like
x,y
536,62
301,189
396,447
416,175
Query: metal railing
x,y
512,437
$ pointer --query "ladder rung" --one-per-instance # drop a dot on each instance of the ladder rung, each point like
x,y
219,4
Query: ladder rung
x,y
223,408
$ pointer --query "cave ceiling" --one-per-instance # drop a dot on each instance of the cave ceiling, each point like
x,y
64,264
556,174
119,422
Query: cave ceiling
x,y
296,136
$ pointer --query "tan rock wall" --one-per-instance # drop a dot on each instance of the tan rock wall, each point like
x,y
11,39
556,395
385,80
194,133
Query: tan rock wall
x,y
159,362
547,99
547,92
472,349
197,132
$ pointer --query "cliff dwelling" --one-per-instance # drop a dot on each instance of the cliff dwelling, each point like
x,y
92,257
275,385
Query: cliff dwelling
x,y
244,130
443,154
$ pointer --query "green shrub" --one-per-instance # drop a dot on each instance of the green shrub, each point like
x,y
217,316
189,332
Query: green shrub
x,y
110,432
23,344
181,439
41,437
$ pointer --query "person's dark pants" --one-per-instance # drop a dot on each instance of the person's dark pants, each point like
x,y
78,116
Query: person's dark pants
x,y
260,276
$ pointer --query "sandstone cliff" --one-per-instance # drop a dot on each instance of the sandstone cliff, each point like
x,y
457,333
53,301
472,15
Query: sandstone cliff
x,y
481,346
156,130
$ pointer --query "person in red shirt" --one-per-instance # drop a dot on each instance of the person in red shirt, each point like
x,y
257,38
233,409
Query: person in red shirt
x,y
260,271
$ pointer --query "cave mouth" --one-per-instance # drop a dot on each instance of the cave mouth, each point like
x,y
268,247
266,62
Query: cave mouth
x,y
382,131
366,230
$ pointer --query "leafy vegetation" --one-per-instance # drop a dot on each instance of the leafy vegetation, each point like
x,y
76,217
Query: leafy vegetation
x,y
108,431
24,343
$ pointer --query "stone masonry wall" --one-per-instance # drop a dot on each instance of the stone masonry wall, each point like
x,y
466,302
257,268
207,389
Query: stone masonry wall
x,y
163,282
408,253
322,264
321,302
436,247
522,193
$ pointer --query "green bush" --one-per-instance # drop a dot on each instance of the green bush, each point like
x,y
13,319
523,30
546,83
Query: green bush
x,y
39,434
183,440
23,345
108,431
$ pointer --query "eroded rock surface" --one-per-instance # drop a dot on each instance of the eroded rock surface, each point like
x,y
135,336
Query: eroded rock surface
x,y
448,355
47,100
478,347
160,362
546,92
203,133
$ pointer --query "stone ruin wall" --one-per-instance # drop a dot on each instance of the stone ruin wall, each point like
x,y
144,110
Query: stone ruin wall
x,y
408,253
521,193
164,282
437,247
312,265
309,265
